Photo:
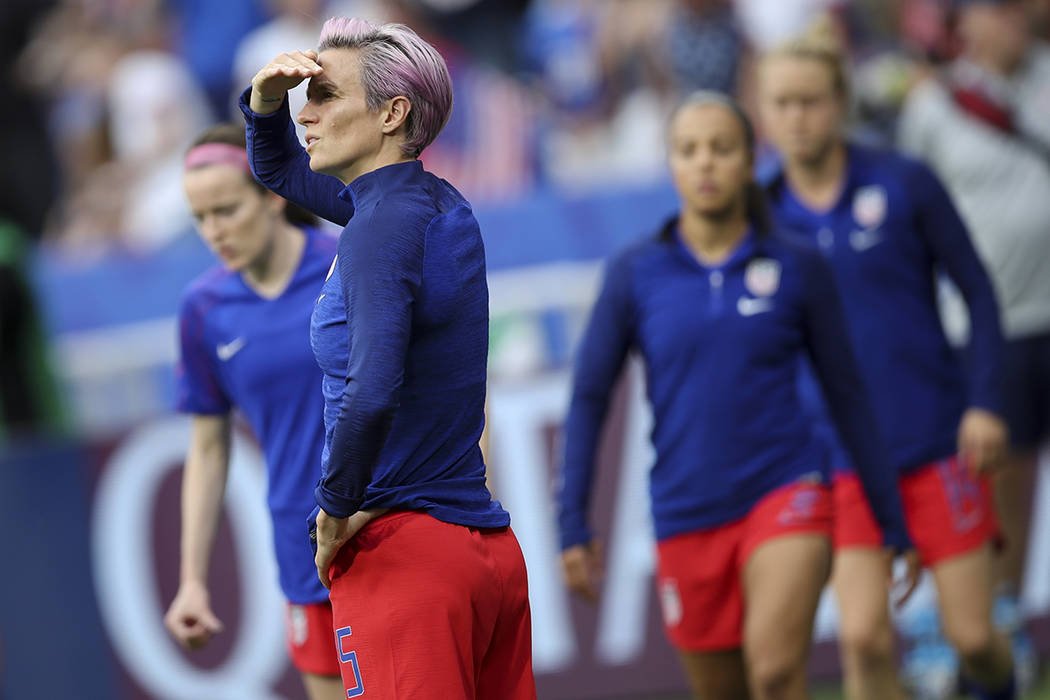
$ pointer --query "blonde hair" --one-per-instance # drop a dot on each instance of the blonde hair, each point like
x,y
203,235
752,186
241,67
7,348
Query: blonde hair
x,y
820,42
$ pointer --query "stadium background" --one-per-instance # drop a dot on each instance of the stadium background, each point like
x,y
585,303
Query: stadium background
x,y
556,139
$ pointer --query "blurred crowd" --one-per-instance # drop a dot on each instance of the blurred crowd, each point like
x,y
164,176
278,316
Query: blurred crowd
x,y
570,94
103,96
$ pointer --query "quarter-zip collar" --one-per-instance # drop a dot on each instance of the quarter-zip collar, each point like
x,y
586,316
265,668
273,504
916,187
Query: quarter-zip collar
x,y
744,251
369,185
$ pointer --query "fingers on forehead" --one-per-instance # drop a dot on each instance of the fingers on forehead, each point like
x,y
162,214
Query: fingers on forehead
x,y
305,58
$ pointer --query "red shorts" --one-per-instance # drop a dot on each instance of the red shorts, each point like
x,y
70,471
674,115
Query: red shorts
x,y
310,641
948,511
699,574
427,609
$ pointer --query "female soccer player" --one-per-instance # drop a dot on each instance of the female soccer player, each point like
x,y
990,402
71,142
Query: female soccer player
x,y
720,307
428,583
243,328
885,224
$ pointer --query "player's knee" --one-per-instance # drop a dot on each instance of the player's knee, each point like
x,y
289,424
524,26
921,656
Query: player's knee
x,y
866,645
974,641
772,672
771,677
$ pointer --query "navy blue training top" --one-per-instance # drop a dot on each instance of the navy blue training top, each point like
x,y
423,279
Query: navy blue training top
x,y
239,349
892,228
720,346
400,331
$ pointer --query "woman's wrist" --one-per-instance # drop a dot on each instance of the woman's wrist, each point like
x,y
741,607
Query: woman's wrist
x,y
263,104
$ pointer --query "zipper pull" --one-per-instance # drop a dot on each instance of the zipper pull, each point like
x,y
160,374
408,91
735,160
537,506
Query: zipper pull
x,y
716,278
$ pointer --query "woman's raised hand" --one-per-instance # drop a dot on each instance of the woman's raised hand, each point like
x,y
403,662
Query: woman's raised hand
x,y
280,75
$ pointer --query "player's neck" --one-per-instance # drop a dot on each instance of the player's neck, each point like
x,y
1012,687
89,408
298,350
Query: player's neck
x,y
818,182
712,239
390,153
270,275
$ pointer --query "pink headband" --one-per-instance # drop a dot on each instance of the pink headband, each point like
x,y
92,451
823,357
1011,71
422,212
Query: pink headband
x,y
217,153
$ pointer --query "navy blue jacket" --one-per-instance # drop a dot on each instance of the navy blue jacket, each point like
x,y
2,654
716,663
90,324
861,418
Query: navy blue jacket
x,y
721,347
400,330
891,231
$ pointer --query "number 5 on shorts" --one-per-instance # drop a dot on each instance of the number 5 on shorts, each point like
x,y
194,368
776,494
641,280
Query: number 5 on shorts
x,y
349,657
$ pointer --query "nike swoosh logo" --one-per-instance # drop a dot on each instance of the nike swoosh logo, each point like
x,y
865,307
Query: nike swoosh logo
x,y
862,240
225,352
749,307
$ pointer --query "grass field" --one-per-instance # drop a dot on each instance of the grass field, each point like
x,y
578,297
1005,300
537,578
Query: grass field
x,y
1041,692
834,692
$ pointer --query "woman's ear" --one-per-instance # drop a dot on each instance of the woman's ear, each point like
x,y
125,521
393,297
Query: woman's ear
x,y
396,113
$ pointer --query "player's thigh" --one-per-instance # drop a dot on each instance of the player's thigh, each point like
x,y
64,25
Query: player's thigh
x,y
949,510
698,580
405,595
860,579
310,638
323,687
965,591
783,580
716,674
504,656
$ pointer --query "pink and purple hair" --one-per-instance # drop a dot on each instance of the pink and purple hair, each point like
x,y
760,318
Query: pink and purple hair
x,y
395,61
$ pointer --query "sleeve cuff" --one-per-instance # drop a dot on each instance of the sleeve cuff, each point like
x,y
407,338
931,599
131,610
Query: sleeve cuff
x,y
311,528
274,121
574,532
898,541
992,404
202,409
335,505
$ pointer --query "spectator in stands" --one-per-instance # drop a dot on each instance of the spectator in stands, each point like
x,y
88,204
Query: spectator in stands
x,y
705,46
206,36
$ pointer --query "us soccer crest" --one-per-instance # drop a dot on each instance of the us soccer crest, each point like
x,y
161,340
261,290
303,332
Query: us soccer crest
x,y
298,626
762,277
670,602
869,206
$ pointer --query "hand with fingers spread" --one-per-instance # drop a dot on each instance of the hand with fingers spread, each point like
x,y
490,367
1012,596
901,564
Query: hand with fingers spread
x,y
190,618
276,78
582,569
906,584
982,439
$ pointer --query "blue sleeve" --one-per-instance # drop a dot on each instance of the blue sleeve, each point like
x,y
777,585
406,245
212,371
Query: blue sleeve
x,y
380,271
280,163
835,364
945,233
599,359
197,389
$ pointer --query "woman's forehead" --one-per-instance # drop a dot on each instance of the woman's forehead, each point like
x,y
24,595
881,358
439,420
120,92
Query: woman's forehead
x,y
215,179
789,71
340,65
706,117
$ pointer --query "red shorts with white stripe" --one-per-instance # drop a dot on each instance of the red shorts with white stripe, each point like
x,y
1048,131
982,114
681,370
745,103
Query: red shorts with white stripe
x,y
948,511
427,609
311,643
699,574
